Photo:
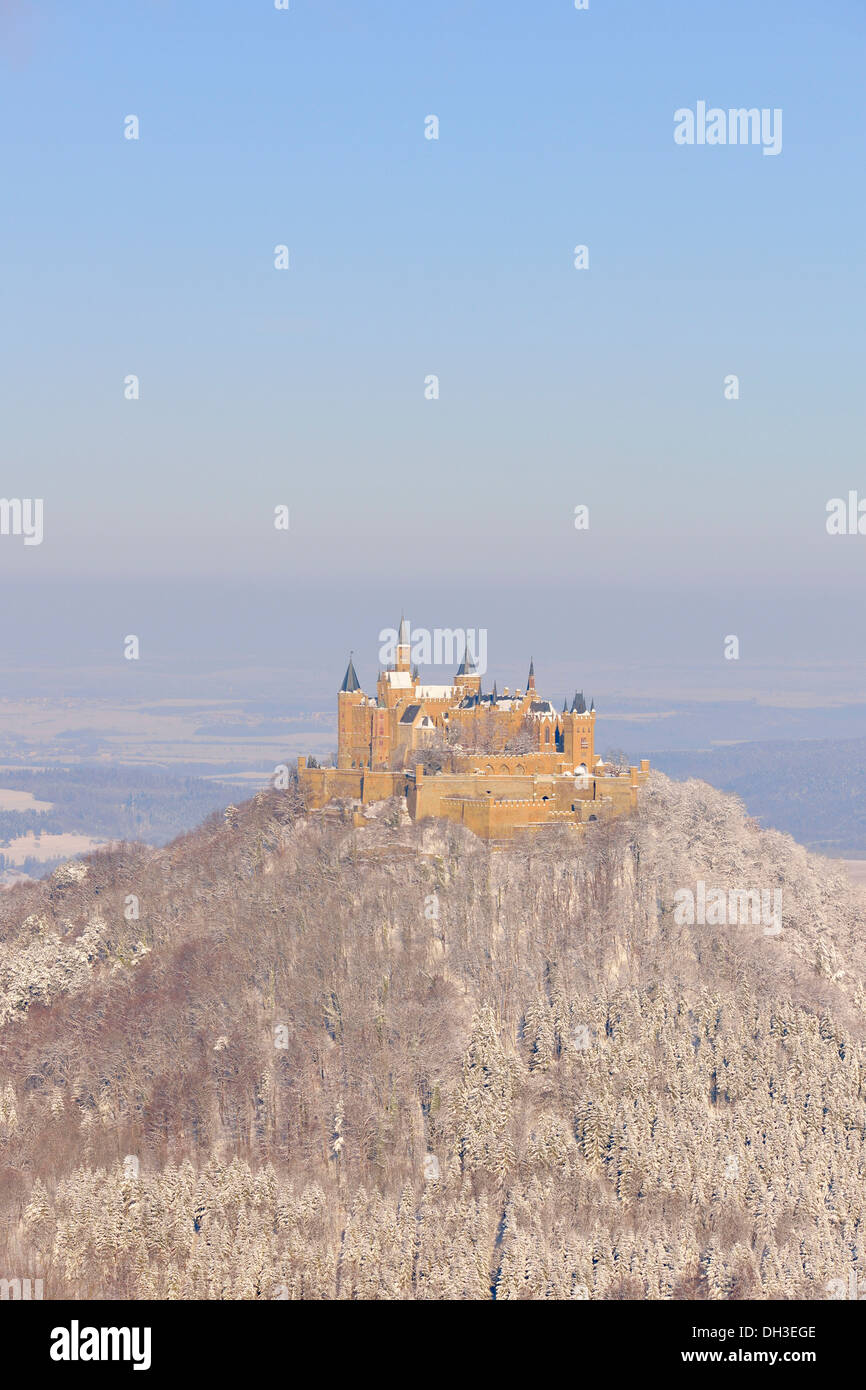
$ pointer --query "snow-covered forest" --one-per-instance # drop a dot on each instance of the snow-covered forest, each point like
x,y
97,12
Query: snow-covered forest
x,y
288,1058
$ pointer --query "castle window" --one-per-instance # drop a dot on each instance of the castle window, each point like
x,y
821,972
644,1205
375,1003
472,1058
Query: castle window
x,y
547,734
584,743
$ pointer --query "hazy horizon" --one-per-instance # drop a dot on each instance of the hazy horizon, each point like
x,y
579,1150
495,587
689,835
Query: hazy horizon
x,y
154,260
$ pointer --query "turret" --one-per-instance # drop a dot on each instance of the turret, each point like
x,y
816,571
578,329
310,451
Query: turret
x,y
578,732
467,678
404,646
353,721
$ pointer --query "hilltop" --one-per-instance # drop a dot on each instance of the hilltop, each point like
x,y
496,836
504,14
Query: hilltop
x,y
289,1056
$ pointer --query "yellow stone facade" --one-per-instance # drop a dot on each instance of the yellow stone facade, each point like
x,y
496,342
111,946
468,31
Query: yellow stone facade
x,y
513,762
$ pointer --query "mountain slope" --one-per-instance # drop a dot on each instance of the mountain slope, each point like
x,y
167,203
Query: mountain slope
x,y
394,1063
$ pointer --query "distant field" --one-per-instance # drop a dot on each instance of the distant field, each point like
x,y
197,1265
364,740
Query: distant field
x,y
50,815
21,801
225,733
48,847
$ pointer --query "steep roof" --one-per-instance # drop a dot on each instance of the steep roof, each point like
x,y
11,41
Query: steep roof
x,y
467,666
541,707
350,680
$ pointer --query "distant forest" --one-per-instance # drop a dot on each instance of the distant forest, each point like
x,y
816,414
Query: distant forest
x,y
814,790
110,803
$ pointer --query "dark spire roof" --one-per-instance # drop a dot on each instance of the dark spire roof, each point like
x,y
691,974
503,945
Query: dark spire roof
x,y
495,696
415,673
467,665
579,705
403,632
591,706
565,705
350,680
530,680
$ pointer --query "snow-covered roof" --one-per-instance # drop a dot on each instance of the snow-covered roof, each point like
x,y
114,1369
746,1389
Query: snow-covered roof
x,y
436,692
543,709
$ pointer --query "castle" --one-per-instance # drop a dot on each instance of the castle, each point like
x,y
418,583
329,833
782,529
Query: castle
x,y
497,764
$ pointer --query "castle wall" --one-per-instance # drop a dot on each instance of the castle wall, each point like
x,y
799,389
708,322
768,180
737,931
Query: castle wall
x,y
490,805
513,763
378,786
426,793
319,785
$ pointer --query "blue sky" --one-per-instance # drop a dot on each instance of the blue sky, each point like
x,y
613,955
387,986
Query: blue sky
x,y
453,257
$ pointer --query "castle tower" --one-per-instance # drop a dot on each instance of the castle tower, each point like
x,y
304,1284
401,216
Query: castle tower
x,y
530,680
578,733
467,680
380,737
404,646
353,740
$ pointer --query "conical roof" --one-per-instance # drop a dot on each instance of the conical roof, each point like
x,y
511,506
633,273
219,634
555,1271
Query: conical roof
x,y
467,665
350,680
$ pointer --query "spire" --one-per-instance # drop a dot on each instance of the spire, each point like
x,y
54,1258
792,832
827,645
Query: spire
x,y
350,680
530,680
404,641
579,704
565,705
591,705
416,674
467,665
495,696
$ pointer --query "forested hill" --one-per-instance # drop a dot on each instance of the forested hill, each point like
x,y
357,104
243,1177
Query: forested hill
x,y
813,788
286,1057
